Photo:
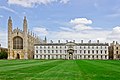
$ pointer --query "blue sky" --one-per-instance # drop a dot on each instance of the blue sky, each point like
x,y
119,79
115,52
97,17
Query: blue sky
x,y
64,19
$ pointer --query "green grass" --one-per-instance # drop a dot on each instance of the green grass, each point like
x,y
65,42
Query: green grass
x,y
59,70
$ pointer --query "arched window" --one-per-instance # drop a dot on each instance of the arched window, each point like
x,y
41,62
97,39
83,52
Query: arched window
x,y
17,43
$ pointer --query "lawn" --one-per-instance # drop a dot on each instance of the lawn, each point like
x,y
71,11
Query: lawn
x,y
59,70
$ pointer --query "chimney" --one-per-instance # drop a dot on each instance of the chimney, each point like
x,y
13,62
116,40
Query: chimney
x,y
74,41
66,41
97,41
58,41
116,42
51,41
113,42
81,41
89,41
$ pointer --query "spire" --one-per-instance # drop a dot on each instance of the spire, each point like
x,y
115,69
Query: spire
x,y
9,24
25,25
45,40
9,17
24,17
31,33
9,32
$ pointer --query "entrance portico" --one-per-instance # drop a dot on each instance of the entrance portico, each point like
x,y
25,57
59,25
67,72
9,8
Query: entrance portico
x,y
70,53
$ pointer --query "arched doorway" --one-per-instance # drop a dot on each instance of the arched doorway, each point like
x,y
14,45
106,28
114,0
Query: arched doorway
x,y
70,55
70,52
18,56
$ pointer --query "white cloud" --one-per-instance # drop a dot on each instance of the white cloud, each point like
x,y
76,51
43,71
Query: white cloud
x,y
83,35
32,3
81,24
115,34
40,31
8,9
78,21
116,30
65,29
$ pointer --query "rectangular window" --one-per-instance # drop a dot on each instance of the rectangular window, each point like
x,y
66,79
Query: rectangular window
x,y
52,51
84,51
97,56
105,51
40,51
56,51
44,51
75,51
60,56
44,56
60,51
93,51
101,51
88,51
88,56
101,56
105,57
48,51
36,51
40,56
84,56
97,51
93,56
65,51
80,51
36,56
116,52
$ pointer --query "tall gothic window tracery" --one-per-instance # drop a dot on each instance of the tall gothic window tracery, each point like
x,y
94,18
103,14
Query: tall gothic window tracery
x,y
17,43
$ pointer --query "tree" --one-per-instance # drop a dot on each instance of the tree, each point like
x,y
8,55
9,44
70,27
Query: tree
x,y
3,55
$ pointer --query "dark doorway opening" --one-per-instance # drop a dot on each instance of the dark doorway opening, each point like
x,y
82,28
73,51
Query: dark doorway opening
x,y
18,56
70,55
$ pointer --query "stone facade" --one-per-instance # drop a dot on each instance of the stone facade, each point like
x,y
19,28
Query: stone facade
x,y
21,42
71,50
114,50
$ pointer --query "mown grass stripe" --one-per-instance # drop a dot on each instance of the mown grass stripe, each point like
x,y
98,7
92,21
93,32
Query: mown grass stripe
x,y
14,67
61,70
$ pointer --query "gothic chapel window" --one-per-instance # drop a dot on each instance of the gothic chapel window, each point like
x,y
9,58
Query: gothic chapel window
x,y
17,43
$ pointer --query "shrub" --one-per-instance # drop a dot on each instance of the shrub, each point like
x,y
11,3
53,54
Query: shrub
x,y
3,55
